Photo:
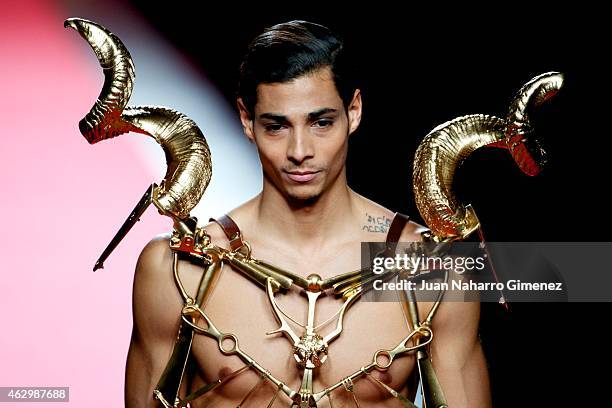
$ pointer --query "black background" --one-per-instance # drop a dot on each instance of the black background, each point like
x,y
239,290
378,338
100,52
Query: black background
x,y
423,67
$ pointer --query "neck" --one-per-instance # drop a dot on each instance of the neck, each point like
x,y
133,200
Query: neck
x,y
311,224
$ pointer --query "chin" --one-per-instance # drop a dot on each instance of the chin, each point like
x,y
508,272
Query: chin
x,y
306,196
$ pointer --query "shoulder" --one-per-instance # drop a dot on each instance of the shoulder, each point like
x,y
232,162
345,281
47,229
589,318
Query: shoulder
x,y
155,255
156,304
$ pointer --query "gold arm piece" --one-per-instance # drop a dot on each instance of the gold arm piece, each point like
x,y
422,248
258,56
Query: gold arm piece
x,y
171,379
433,395
432,391
170,382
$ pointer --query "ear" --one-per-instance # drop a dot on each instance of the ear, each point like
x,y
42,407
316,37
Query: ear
x,y
246,120
354,112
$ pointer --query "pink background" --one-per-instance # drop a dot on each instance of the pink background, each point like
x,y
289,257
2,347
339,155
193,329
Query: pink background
x,y
63,200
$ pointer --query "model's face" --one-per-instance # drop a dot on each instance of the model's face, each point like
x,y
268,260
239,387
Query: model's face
x,y
301,131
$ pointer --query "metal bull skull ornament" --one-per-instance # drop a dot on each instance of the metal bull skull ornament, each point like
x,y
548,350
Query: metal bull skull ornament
x,y
188,174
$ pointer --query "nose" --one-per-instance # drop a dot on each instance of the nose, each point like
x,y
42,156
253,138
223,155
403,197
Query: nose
x,y
300,146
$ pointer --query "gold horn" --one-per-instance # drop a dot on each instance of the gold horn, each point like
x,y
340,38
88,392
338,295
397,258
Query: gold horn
x,y
523,145
187,153
435,162
448,145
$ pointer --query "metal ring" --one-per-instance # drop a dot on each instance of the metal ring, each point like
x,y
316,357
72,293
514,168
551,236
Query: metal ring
x,y
224,337
387,354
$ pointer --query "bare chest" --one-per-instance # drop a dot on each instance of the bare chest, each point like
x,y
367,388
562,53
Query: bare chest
x,y
241,307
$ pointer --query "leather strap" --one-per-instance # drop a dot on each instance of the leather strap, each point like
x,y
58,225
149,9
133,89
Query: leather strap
x,y
231,230
395,232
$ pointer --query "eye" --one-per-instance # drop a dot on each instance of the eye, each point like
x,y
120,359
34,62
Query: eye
x,y
273,127
323,123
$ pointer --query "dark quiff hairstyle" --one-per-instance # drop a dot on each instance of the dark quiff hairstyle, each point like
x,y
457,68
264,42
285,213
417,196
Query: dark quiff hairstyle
x,y
289,50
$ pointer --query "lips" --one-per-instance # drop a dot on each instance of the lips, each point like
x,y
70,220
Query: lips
x,y
302,176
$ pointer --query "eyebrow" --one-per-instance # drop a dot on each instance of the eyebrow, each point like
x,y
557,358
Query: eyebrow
x,y
311,116
320,112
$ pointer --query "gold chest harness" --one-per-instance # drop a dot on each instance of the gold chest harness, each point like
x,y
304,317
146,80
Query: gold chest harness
x,y
310,349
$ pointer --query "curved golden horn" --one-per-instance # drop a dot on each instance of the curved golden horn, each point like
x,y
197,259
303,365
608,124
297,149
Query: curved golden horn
x,y
435,162
533,94
524,147
187,153
448,145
